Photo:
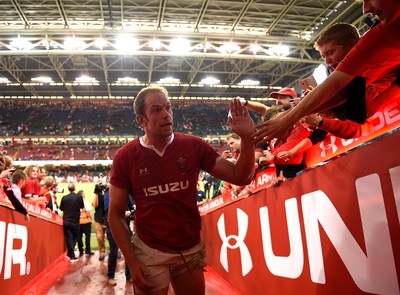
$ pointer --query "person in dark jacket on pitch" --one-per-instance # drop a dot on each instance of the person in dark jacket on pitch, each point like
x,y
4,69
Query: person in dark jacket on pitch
x,y
71,206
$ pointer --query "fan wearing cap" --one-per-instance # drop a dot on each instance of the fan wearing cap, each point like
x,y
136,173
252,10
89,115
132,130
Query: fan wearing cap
x,y
285,97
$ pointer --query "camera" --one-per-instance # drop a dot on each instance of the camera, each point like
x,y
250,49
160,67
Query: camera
x,y
99,188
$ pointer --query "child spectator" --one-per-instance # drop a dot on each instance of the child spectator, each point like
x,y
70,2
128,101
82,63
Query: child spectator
x,y
12,189
46,191
18,179
42,174
31,189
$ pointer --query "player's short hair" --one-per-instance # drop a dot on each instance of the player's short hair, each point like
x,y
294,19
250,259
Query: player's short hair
x,y
140,99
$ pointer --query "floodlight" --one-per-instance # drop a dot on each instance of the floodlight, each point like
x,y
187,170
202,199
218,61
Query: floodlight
x,y
249,82
85,79
169,80
179,45
255,48
100,43
42,79
278,50
21,43
210,81
230,47
155,44
128,80
306,36
127,44
74,43
4,80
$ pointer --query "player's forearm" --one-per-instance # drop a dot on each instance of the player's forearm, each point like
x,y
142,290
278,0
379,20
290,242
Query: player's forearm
x,y
244,167
116,218
257,107
121,235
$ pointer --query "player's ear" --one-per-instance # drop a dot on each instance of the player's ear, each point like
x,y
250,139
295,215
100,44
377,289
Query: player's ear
x,y
141,121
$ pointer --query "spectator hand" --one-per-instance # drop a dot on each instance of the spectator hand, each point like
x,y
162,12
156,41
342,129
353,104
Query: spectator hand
x,y
285,156
226,154
239,119
274,128
265,160
6,173
27,218
279,179
314,119
307,91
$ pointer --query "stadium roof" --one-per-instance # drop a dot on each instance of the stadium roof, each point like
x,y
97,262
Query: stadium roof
x,y
228,42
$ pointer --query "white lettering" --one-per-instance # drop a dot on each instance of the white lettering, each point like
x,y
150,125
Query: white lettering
x,y
184,185
264,179
174,187
166,188
2,243
346,142
292,265
245,256
46,213
152,191
318,208
378,121
216,202
392,112
11,256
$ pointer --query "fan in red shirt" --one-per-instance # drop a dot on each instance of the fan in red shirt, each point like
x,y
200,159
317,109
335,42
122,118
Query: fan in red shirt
x,y
376,55
31,189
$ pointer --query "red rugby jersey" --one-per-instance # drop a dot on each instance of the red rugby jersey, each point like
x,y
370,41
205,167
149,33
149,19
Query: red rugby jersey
x,y
163,186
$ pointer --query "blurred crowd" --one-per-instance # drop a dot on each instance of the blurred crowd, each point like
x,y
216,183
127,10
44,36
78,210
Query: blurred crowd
x,y
99,118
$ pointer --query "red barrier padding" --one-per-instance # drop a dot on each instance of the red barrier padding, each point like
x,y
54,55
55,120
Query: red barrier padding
x,y
331,230
44,280
26,249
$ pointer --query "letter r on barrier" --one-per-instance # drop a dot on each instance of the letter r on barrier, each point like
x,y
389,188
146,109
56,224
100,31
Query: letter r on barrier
x,y
15,256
